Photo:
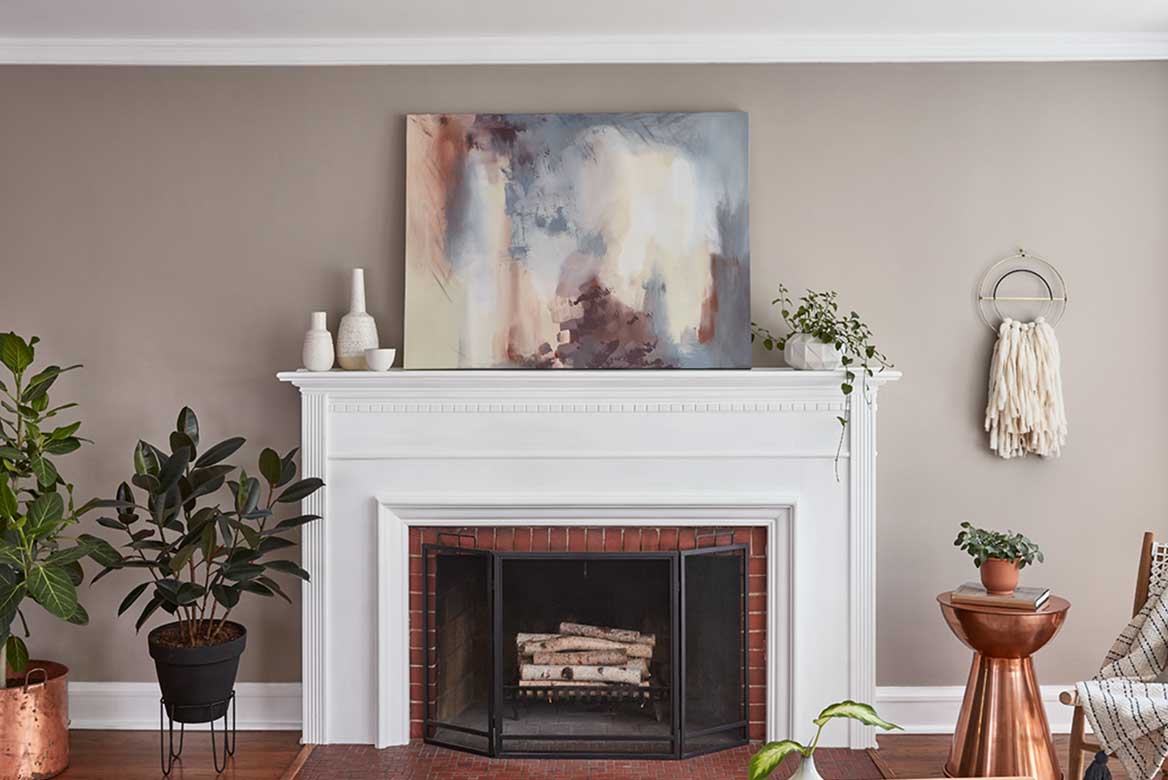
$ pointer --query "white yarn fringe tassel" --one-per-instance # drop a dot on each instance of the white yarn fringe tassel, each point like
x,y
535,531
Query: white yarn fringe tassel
x,y
1025,411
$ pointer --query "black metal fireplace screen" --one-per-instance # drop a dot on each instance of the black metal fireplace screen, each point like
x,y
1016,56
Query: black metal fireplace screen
x,y
566,655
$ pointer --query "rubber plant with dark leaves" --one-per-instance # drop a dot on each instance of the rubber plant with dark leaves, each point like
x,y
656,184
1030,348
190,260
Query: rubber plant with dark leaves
x,y
39,560
205,532
770,755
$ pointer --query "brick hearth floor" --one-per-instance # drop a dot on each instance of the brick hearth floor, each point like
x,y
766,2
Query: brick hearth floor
x,y
418,761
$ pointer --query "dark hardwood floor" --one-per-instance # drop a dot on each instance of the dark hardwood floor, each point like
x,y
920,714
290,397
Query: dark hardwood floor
x,y
923,755
133,755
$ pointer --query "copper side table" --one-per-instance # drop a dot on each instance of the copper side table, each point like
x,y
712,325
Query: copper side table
x,y
1002,729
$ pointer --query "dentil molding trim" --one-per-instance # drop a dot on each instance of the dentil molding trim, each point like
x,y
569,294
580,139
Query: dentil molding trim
x,y
551,49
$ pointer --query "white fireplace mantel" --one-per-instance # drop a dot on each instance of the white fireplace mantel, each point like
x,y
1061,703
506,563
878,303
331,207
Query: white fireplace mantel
x,y
402,449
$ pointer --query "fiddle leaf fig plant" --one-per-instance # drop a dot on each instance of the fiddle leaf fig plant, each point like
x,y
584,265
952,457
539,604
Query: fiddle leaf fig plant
x,y
817,314
204,531
983,544
770,755
38,559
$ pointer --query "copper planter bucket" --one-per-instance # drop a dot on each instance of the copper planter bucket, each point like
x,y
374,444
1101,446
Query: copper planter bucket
x,y
34,723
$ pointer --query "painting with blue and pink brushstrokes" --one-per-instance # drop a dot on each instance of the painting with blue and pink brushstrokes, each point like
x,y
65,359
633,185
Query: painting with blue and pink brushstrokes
x,y
603,241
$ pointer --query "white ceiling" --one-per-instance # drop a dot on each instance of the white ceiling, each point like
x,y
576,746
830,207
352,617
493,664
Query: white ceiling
x,y
596,30
426,18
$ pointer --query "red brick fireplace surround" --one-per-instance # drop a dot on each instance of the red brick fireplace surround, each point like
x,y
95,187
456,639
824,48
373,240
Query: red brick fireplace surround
x,y
599,539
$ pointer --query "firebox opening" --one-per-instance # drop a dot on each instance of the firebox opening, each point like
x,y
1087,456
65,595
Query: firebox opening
x,y
560,703
585,654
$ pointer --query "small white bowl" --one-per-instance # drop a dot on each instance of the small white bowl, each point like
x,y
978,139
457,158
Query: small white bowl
x,y
380,359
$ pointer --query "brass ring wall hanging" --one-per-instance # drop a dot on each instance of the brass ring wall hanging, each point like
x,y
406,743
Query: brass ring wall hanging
x,y
1011,288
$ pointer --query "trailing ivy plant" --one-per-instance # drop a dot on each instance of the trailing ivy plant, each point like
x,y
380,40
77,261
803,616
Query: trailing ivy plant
x,y
983,544
38,561
817,314
202,529
770,755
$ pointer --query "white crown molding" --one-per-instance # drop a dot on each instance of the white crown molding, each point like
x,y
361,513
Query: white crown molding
x,y
133,706
540,49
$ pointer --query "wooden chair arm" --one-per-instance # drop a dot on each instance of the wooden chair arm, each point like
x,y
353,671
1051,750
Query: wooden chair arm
x,y
1069,698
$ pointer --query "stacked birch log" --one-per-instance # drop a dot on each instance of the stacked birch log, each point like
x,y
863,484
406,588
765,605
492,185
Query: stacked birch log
x,y
585,656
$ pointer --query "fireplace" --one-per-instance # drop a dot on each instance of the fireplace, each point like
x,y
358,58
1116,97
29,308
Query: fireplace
x,y
632,654
584,462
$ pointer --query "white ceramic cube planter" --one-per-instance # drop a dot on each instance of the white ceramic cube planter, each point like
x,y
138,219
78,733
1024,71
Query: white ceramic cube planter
x,y
806,352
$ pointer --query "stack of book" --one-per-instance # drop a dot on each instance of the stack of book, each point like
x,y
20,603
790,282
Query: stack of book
x,y
1030,599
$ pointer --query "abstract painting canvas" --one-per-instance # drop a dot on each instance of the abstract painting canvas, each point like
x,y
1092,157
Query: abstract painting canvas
x,y
577,241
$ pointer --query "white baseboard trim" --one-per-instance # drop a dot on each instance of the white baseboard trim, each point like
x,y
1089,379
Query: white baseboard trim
x,y
932,709
131,706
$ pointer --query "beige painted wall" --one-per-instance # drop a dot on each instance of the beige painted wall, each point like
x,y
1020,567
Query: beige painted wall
x,y
172,228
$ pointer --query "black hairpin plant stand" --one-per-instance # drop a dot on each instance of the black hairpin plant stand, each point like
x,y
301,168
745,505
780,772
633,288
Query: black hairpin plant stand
x,y
168,715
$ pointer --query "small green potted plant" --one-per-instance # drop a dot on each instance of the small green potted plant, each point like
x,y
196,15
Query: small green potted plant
x,y
204,533
40,561
770,755
820,338
998,555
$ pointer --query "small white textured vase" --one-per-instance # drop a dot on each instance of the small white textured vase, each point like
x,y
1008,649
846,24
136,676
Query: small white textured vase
x,y
804,351
318,344
358,331
806,770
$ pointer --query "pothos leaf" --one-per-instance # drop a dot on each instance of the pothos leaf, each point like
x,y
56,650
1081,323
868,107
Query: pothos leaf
x,y
770,755
865,713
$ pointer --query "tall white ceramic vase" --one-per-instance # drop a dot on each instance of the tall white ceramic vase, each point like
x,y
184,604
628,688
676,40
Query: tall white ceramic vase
x,y
318,352
358,331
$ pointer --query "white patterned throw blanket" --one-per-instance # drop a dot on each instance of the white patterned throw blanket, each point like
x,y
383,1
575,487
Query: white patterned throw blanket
x,y
1127,701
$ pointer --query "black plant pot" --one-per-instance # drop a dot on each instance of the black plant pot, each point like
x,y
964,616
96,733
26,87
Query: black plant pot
x,y
196,681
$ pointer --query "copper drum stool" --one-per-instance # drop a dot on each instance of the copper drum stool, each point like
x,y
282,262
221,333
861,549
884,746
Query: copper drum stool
x,y
1002,729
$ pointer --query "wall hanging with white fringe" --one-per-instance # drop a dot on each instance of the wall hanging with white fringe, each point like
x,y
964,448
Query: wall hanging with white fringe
x,y
1025,412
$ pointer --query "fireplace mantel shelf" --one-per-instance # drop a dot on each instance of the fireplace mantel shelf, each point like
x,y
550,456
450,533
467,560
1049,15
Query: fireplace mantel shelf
x,y
400,380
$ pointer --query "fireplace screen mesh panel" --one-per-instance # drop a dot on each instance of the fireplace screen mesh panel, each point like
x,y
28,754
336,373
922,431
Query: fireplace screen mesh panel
x,y
458,643
563,715
637,655
713,622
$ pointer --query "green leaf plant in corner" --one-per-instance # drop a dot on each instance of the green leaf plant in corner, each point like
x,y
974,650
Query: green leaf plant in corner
x,y
817,315
770,755
39,560
204,532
